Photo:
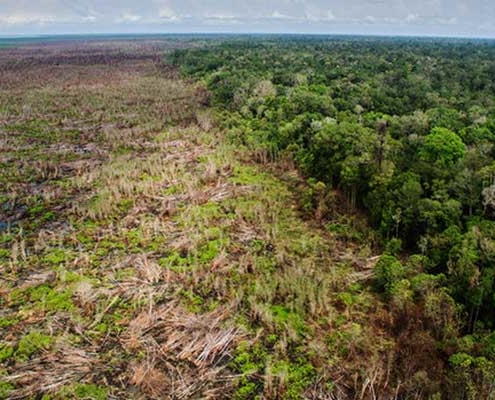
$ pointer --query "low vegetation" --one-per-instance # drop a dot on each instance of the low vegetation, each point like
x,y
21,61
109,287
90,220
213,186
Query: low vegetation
x,y
249,230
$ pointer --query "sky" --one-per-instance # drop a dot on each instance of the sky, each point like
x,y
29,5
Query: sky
x,y
471,18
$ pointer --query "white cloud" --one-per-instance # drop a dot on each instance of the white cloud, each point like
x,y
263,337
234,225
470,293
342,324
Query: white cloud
x,y
316,14
224,17
411,17
348,16
21,19
89,18
166,12
330,16
219,19
127,16
278,15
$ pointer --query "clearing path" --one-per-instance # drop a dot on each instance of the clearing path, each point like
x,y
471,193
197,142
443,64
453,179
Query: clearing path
x,y
143,256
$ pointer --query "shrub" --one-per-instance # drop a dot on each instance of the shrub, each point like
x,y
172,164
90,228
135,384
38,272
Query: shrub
x,y
388,271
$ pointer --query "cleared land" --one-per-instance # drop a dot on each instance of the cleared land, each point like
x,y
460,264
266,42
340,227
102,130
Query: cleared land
x,y
143,256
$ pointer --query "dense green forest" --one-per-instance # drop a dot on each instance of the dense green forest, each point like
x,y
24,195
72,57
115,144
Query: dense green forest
x,y
402,131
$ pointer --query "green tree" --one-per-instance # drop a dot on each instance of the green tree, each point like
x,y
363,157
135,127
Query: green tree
x,y
443,148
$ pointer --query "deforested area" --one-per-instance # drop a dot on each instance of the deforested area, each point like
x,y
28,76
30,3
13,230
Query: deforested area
x,y
247,217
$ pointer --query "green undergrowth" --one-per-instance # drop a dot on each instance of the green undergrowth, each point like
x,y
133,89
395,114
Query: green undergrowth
x,y
250,246
172,236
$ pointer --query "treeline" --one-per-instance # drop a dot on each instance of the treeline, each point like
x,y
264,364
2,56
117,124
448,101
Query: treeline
x,y
403,129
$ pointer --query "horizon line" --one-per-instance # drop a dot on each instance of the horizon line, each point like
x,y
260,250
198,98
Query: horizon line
x,y
242,33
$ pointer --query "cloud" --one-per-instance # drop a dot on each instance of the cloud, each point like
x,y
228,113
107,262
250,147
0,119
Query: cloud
x,y
221,16
167,13
314,14
411,17
446,17
127,16
276,15
21,19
